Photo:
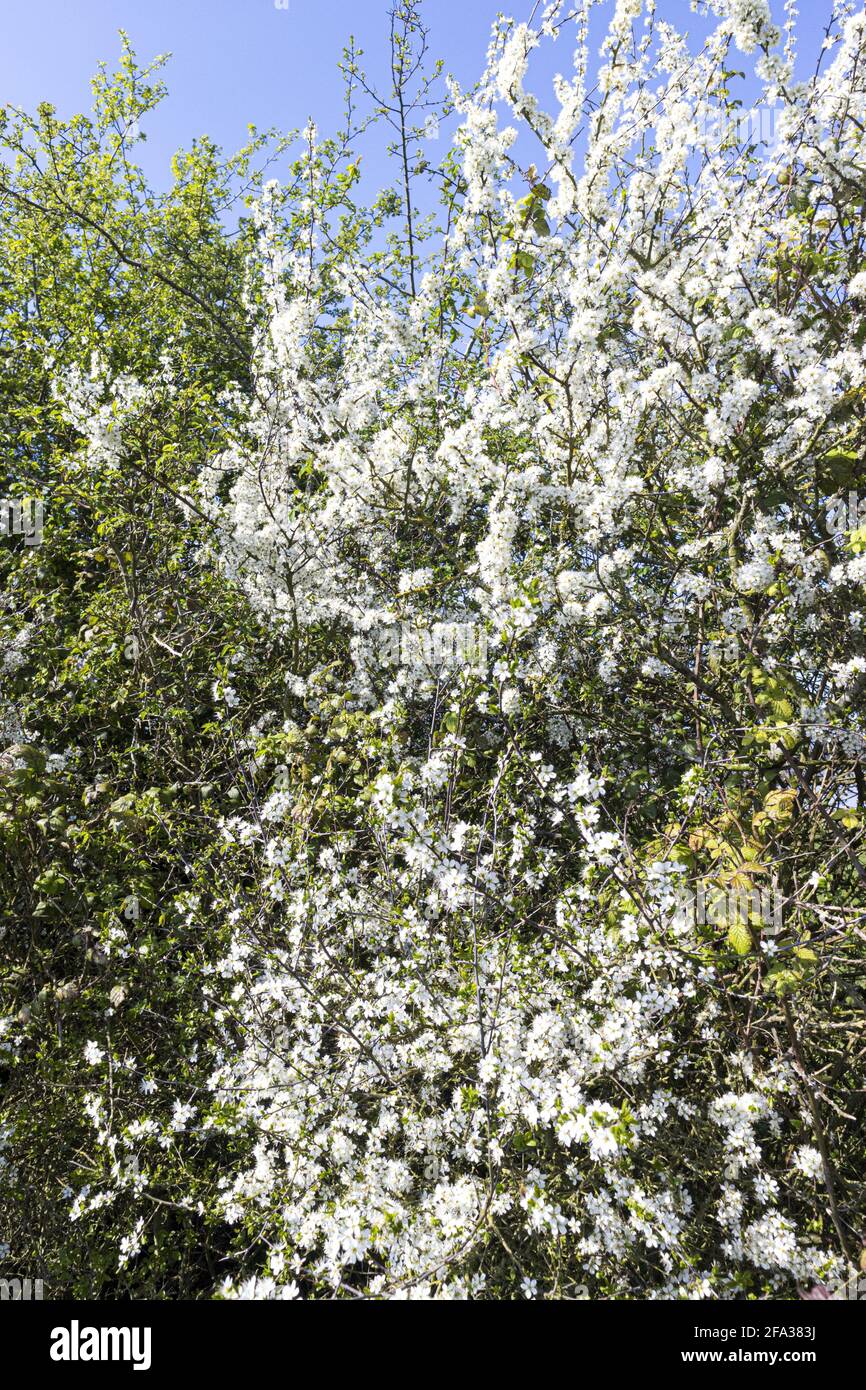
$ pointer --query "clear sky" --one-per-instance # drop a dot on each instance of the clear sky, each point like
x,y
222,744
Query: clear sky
x,y
241,61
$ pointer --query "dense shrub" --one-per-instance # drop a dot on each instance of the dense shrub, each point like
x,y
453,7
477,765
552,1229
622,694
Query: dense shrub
x,y
428,604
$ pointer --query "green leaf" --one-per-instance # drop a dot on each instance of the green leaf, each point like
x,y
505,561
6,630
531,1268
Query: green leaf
x,y
740,938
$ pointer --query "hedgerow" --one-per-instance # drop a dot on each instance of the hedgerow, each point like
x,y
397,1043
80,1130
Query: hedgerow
x,y
433,789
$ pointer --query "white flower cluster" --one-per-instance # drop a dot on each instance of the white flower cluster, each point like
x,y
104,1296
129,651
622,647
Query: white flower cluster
x,y
472,1006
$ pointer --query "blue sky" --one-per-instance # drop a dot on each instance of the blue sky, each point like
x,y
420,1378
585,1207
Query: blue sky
x,y
234,61
241,61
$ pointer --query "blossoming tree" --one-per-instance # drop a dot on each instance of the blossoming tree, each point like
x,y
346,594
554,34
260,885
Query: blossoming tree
x,y
399,969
